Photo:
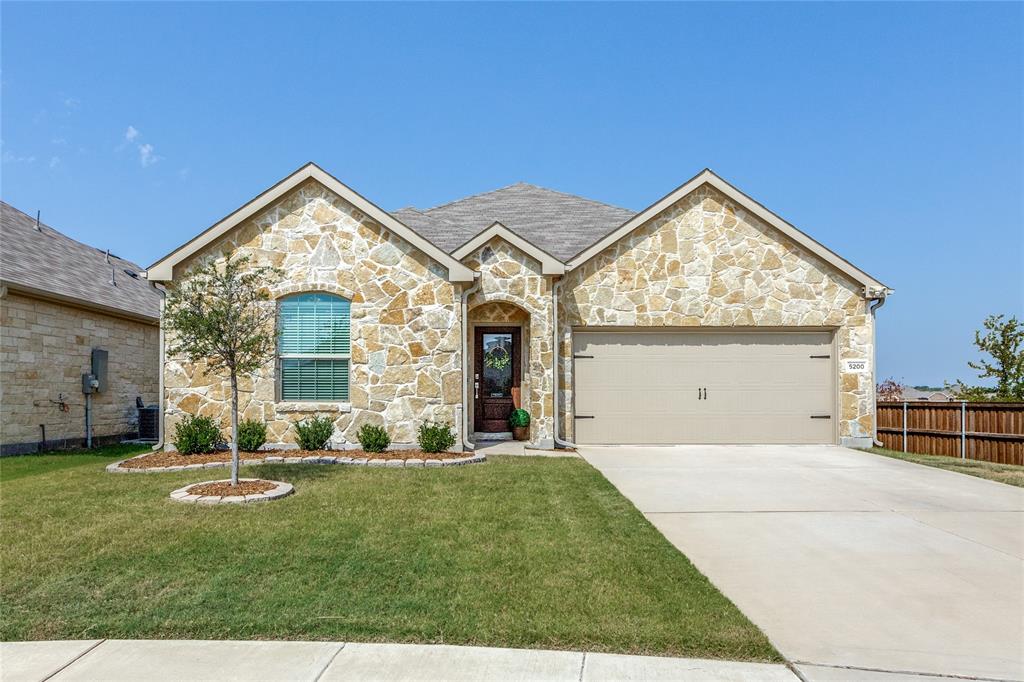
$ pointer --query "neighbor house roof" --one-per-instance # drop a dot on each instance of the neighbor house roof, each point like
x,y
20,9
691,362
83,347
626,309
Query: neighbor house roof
x,y
560,224
46,263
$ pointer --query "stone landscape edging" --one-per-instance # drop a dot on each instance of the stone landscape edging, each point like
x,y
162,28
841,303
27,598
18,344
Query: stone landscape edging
x,y
282,489
412,462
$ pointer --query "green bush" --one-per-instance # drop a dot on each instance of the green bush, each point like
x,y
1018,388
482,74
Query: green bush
x,y
196,435
436,437
251,435
519,417
373,438
313,433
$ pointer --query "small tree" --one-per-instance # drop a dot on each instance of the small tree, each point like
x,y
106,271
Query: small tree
x,y
1004,342
220,314
889,390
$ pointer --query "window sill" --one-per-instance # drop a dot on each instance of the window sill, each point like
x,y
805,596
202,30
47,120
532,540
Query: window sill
x,y
313,407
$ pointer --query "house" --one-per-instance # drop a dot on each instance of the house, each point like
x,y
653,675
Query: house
x,y
67,310
704,318
936,396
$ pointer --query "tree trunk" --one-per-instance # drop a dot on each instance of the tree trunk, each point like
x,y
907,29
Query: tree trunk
x,y
234,429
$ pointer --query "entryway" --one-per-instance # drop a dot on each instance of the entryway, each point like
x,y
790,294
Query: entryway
x,y
496,378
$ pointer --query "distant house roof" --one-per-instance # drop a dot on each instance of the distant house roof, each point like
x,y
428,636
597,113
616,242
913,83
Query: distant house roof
x,y
48,263
561,224
910,393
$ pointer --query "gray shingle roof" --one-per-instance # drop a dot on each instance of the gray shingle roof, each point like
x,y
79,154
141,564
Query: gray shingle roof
x,y
561,224
51,262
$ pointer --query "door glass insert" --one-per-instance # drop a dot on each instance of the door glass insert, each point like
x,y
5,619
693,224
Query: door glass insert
x,y
497,349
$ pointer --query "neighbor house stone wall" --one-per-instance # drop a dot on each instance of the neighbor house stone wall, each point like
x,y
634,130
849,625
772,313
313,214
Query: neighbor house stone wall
x,y
706,262
406,334
45,347
510,276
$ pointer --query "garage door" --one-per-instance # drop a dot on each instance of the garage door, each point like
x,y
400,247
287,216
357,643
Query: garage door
x,y
642,387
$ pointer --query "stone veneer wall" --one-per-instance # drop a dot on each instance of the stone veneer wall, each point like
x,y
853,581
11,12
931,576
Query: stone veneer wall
x,y
406,333
706,262
45,347
511,276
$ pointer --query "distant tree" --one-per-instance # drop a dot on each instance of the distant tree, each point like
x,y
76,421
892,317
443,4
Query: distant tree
x,y
219,313
1003,341
889,390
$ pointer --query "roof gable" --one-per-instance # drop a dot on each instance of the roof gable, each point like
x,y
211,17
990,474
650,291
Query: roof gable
x,y
549,264
163,269
871,285
47,263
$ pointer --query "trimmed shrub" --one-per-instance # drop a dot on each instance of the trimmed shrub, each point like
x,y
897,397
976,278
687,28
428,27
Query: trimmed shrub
x,y
373,438
313,433
251,435
196,435
519,417
436,437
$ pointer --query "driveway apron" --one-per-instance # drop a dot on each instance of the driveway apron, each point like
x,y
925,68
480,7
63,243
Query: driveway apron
x,y
845,559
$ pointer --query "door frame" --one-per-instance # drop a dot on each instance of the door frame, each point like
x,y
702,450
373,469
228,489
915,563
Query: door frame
x,y
478,366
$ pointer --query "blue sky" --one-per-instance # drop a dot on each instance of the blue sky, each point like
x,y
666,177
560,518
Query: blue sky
x,y
893,133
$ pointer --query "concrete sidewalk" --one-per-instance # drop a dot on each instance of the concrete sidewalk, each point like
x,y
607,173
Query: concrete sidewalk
x,y
113,660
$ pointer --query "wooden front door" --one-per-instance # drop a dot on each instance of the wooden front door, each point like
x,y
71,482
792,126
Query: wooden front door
x,y
497,372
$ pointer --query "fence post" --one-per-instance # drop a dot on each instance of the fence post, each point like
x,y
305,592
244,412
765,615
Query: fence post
x,y
904,426
963,429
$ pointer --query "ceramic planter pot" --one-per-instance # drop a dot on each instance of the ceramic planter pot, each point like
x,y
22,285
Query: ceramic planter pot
x,y
521,432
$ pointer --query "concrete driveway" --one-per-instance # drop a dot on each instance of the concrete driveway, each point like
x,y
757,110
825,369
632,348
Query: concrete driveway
x,y
845,559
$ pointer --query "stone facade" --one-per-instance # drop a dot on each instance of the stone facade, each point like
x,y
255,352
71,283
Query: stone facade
x,y
45,347
405,328
703,262
510,280
706,262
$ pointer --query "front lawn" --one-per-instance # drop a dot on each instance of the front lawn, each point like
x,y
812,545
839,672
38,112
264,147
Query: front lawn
x,y
518,552
1003,473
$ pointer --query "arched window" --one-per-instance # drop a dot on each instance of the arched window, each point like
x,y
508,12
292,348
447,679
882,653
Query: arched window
x,y
313,347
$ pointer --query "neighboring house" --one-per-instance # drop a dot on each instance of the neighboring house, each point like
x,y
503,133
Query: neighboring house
x,y
911,394
704,318
59,301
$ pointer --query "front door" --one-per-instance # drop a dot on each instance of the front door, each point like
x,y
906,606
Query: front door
x,y
495,375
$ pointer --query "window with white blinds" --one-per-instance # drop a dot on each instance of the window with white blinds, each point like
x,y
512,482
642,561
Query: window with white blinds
x,y
313,347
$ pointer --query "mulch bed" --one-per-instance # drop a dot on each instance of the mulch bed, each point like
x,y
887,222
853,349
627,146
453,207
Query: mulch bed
x,y
224,488
175,459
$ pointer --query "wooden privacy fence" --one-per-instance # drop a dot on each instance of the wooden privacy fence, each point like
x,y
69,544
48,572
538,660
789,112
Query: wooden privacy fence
x,y
991,432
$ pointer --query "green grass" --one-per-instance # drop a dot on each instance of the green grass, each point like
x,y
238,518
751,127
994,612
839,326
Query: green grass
x,y
1010,474
519,552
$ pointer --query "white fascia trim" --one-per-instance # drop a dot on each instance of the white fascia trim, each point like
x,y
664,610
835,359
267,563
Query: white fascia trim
x,y
163,269
548,263
708,177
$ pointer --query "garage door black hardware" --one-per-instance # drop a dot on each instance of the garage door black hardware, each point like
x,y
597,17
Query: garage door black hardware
x,y
821,416
821,356
586,357
584,416
703,396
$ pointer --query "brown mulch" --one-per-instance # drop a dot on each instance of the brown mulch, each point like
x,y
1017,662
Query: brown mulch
x,y
175,459
224,488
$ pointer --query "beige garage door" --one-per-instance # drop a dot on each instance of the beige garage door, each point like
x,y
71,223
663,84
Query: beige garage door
x,y
641,387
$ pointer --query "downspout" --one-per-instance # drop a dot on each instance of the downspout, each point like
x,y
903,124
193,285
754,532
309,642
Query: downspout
x,y
879,301
554,369
466,443
160,389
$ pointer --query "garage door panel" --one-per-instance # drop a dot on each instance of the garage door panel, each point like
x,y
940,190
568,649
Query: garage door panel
x,y
761,387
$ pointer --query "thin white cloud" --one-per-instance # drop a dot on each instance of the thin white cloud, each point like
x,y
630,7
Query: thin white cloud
x,y
131,134
58,141
146,155
8,157
72,102
183,173
54,161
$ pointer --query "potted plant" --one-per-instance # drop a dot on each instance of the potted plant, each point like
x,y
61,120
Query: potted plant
x,y
519,420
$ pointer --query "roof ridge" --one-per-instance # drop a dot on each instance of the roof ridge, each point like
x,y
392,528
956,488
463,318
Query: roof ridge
x,y
471,196
427,211
54,232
